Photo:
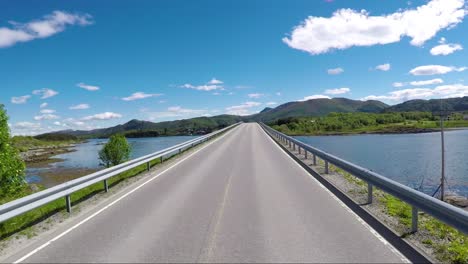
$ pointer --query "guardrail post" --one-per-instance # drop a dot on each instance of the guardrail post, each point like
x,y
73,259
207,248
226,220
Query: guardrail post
x,y
106,186
369,193
326,167
414,219
68,203
299,147
305,153
314,158
289,143
162,159
148,166
294,146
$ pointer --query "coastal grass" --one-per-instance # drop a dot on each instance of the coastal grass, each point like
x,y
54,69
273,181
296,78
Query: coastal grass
x,y
25,143
23,224
448,244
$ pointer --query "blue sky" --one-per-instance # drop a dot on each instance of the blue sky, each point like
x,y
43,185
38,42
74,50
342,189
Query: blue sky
x,y
93,64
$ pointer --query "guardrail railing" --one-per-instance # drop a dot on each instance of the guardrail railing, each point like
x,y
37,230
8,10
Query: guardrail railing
x,y
449,214
30,202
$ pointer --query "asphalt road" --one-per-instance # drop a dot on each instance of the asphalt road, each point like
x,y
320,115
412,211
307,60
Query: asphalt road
x,y
239,199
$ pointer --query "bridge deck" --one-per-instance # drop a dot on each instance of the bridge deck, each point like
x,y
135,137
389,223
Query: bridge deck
x,y
240,199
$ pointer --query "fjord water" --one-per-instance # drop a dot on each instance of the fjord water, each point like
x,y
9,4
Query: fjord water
x,y
86,156
411,159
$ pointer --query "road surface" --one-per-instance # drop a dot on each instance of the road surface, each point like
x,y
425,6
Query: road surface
x,y
239,199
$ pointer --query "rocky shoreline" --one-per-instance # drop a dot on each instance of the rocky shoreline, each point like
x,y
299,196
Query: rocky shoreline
x,y
41,156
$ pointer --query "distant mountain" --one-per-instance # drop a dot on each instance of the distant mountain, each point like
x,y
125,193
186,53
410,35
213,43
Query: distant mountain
x,y
139,128
266,109
318,107
449,104
314,107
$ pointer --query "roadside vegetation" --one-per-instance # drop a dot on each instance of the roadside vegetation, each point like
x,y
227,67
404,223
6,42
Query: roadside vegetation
x,y
358,123
14,186
25,143
444,243
115,151
12,181
23,222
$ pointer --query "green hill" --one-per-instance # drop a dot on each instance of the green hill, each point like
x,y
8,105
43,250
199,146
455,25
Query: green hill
x,y
318,107
450,104
139,128
310,108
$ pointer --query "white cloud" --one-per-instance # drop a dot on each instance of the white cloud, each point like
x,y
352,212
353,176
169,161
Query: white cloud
x,y
383,67
243,87
79,107
45,93
338,91
442,91
419,83
139,95
214,84
88,87
315,96
206,87
255,95
46,117
26,125
71,122
47,26
20,99
102,116
278,94
47,111
427,82
335,71
174,112
43,105
215,81
347,27
243,109
181,110
445,49
435,69
26,128
271,103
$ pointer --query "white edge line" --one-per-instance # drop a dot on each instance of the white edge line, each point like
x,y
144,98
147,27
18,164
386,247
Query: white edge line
x,y
114,202
371,229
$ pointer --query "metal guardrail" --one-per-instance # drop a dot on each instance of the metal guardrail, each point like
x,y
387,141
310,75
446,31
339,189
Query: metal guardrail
x,y
30,202
449,214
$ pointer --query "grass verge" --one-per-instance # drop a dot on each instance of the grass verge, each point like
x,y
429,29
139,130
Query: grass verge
x,y
437,239
23,224
442,241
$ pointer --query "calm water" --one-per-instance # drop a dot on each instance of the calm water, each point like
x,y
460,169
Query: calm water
x,y
410,159
86,154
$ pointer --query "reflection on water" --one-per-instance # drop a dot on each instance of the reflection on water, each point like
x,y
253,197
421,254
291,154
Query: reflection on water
x,y
411,159
86,156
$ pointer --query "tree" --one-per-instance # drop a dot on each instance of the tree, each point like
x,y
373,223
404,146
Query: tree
x,y
12,167
116,151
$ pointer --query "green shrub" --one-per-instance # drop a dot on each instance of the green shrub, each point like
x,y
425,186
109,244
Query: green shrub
x,y
114,152
12,168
